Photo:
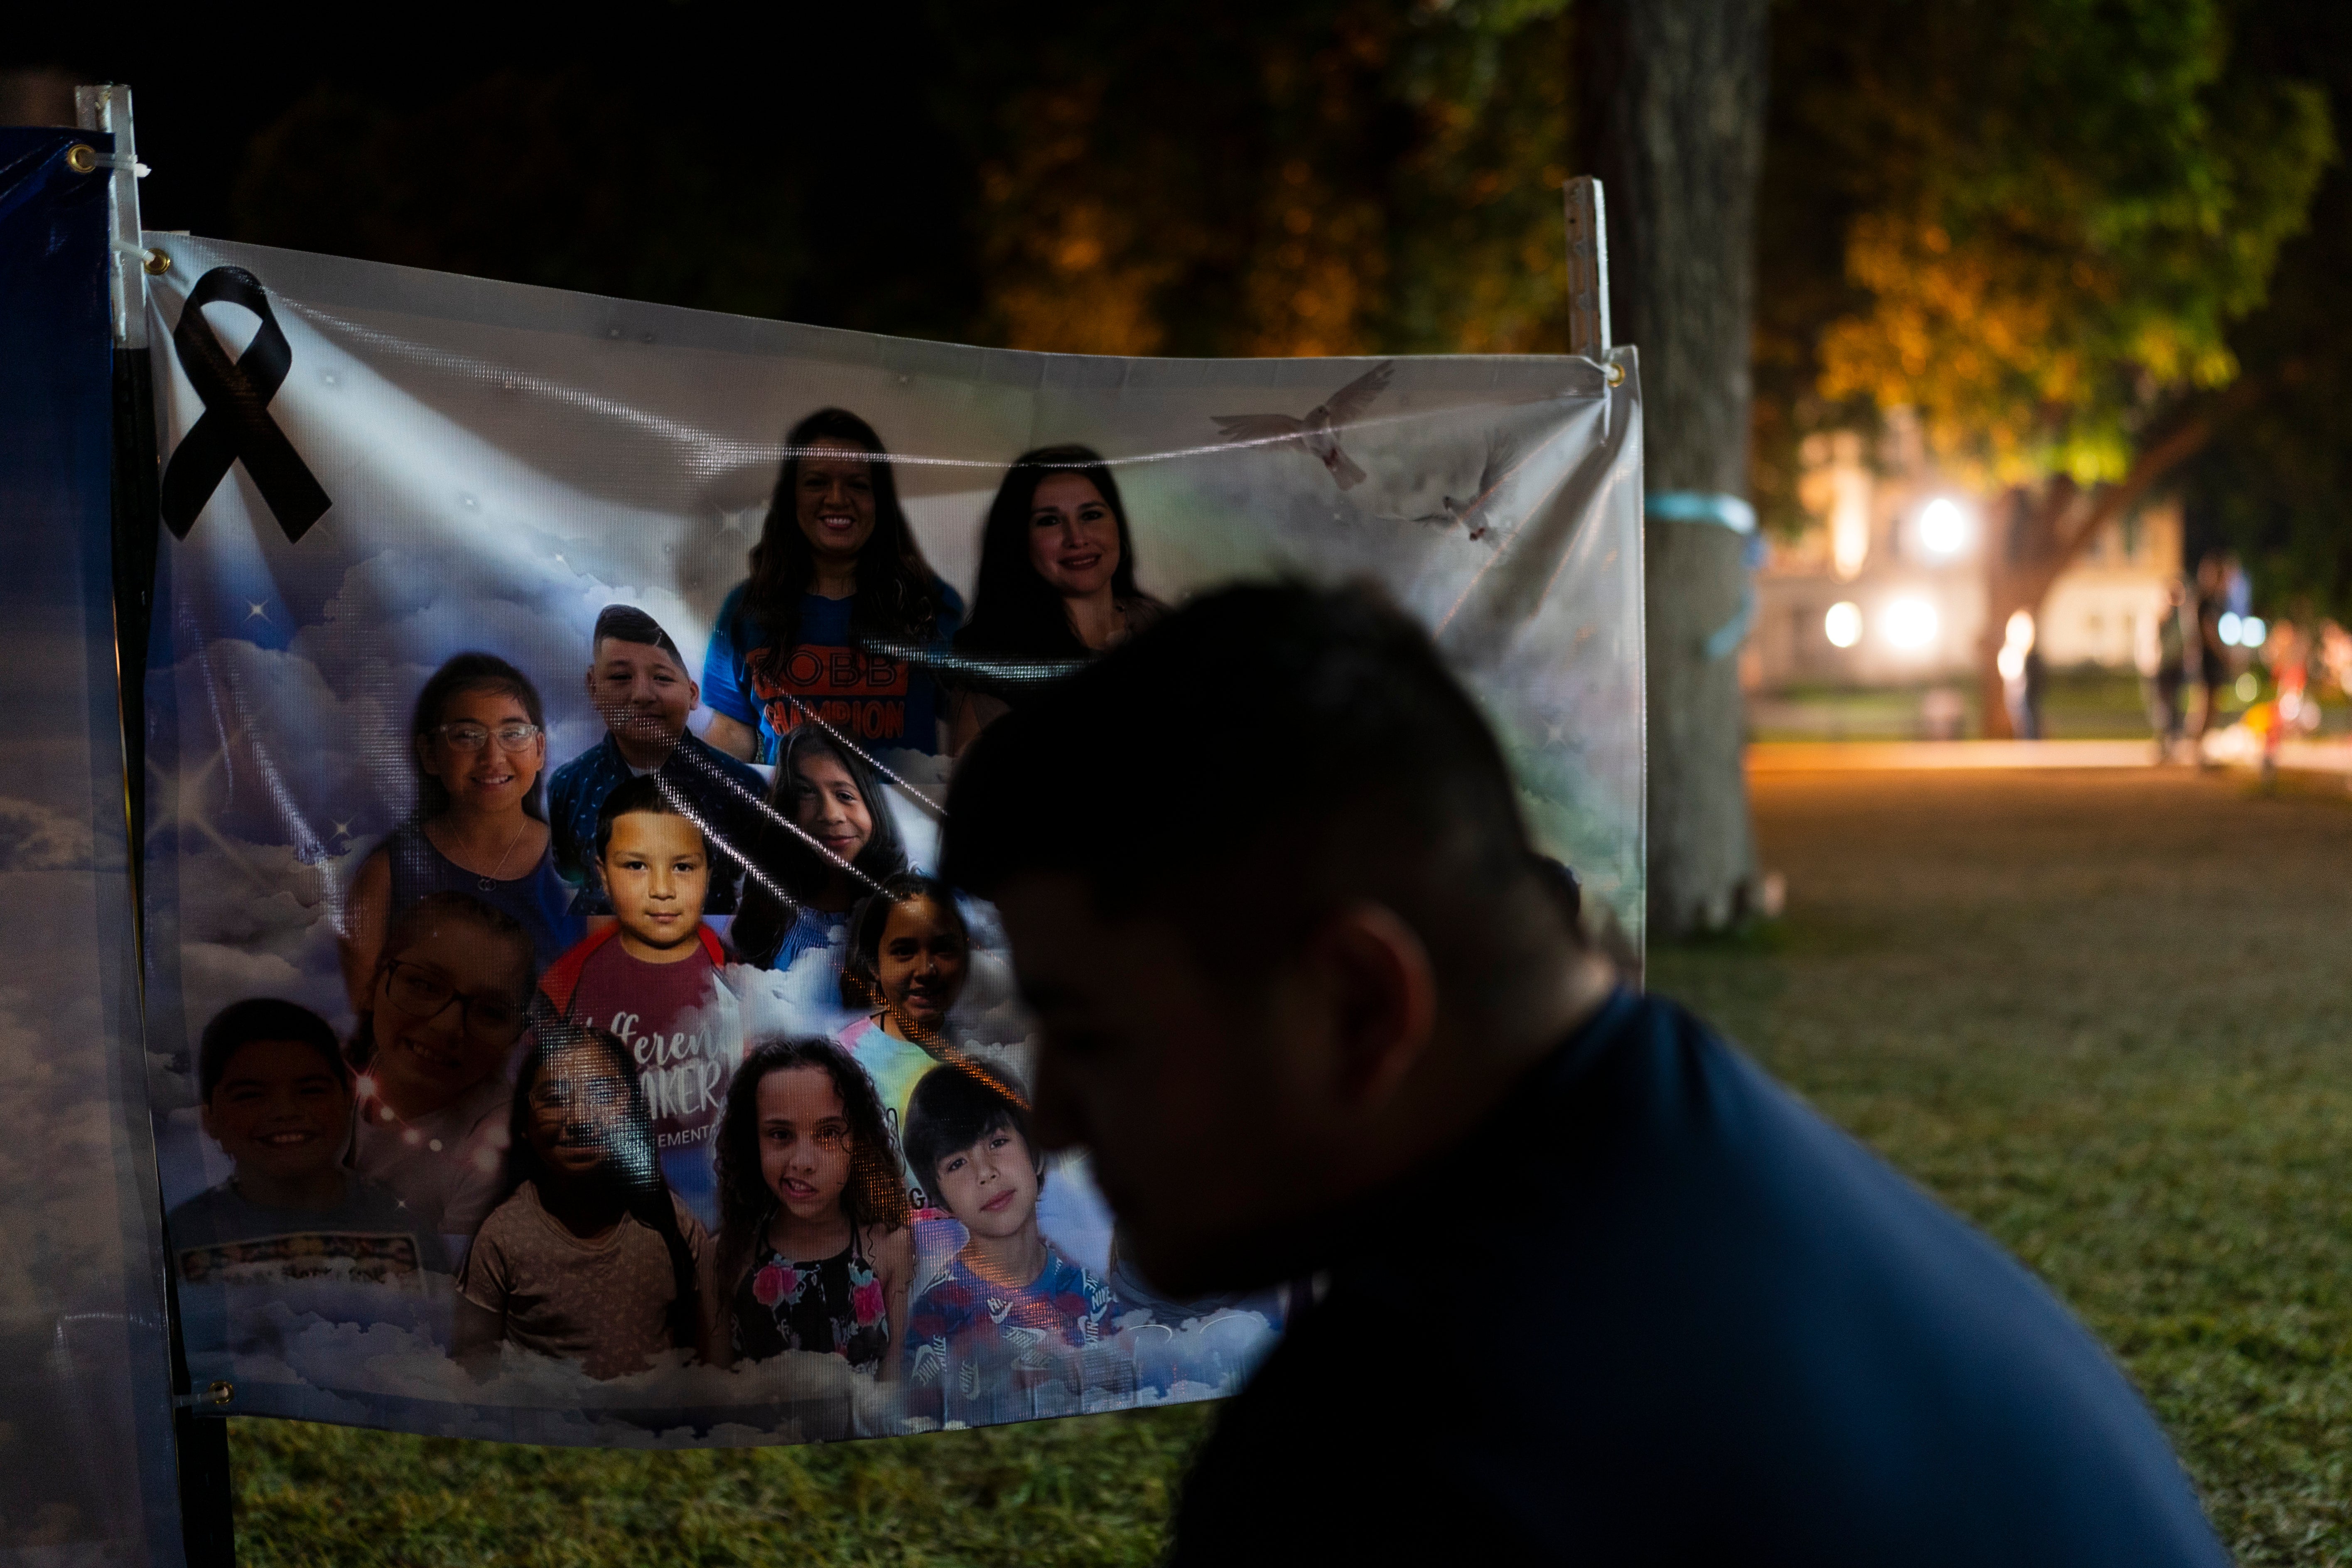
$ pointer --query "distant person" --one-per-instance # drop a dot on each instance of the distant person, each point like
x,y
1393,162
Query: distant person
x,y
1056,579
1007,1317
2211,670
275,1095
815,1254
2286,653
2336,654
2162,655
639,682
449,998
831,841
651,979
478,738
1598,1289
2022,676
837,571
590,1259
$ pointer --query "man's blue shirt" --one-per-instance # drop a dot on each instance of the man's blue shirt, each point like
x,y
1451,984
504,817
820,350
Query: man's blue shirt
x,y
1655,1310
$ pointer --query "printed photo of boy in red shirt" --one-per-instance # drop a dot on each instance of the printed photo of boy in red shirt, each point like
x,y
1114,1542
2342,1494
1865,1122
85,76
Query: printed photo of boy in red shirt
x,y
651,978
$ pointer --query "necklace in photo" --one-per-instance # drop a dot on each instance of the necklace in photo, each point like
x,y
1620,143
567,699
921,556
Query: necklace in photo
x,y
499,873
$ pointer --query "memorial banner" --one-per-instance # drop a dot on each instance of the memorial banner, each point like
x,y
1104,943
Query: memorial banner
x,y
556,1030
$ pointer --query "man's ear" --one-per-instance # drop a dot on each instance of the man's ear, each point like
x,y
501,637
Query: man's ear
x,y
1382,991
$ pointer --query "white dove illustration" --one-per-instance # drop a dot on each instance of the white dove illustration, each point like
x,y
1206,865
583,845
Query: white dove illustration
x,y
1318,431
1500,453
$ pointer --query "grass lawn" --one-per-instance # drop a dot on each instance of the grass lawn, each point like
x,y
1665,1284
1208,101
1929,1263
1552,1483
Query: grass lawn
x,y
2102,1014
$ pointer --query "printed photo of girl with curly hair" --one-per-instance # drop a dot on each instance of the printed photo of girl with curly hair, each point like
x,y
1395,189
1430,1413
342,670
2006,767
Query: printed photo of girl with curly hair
x,y
815,1254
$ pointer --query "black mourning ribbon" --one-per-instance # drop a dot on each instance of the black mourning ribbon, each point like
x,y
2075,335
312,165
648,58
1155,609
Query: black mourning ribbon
x,y
236,427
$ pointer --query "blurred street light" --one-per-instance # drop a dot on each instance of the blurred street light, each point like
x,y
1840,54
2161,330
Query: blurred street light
x,y
1909,623
1943,527
1842,625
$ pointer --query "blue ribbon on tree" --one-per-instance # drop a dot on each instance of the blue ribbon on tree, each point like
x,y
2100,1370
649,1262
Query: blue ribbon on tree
x,y
1724,511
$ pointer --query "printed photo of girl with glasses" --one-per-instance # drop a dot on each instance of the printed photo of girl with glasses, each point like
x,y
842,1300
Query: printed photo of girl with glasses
x,y
479,738
448,1001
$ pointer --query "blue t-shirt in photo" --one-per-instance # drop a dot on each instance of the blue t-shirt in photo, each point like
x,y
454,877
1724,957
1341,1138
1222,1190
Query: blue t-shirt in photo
x,y
874,699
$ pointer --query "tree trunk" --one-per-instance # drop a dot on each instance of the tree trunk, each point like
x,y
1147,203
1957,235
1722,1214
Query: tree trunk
x,y
1673,96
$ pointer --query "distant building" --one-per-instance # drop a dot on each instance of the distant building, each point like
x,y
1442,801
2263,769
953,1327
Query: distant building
x,y
1886,586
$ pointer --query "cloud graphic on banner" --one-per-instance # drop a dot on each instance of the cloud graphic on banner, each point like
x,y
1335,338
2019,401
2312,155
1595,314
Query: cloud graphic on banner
x,y
63,1227
254,920
346,1355
35,838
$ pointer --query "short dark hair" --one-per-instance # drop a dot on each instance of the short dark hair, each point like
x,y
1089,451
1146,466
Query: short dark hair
x,y
1373,772
242,1023
652,795
626,622
954,1106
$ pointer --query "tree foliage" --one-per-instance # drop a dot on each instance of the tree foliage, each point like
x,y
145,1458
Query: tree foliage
x,y
2273,486
2047,225
2052,212
1250,179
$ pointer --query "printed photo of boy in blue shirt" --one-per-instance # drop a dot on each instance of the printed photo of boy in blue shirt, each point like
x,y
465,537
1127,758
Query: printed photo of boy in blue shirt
x,y
638,683
1000,1330
278,1101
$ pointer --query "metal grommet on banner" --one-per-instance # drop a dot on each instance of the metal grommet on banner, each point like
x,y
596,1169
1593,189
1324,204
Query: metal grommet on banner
x,y
153,262
221,1393
1616,376
81,158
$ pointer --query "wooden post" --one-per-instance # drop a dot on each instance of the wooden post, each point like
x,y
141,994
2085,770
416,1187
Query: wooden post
x,y
1587,269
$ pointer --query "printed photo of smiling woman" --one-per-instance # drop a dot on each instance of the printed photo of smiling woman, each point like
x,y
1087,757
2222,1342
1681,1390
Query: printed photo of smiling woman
x,y
1056,581
837,571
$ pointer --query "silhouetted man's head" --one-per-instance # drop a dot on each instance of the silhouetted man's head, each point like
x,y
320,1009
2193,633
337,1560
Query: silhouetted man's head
x,y
1269,893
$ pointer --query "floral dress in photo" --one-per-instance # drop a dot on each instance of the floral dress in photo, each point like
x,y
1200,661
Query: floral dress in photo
x,y
832,1307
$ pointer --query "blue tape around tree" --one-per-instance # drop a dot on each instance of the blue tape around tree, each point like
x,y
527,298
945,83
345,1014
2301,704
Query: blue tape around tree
x,y
1725,512
1700,506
